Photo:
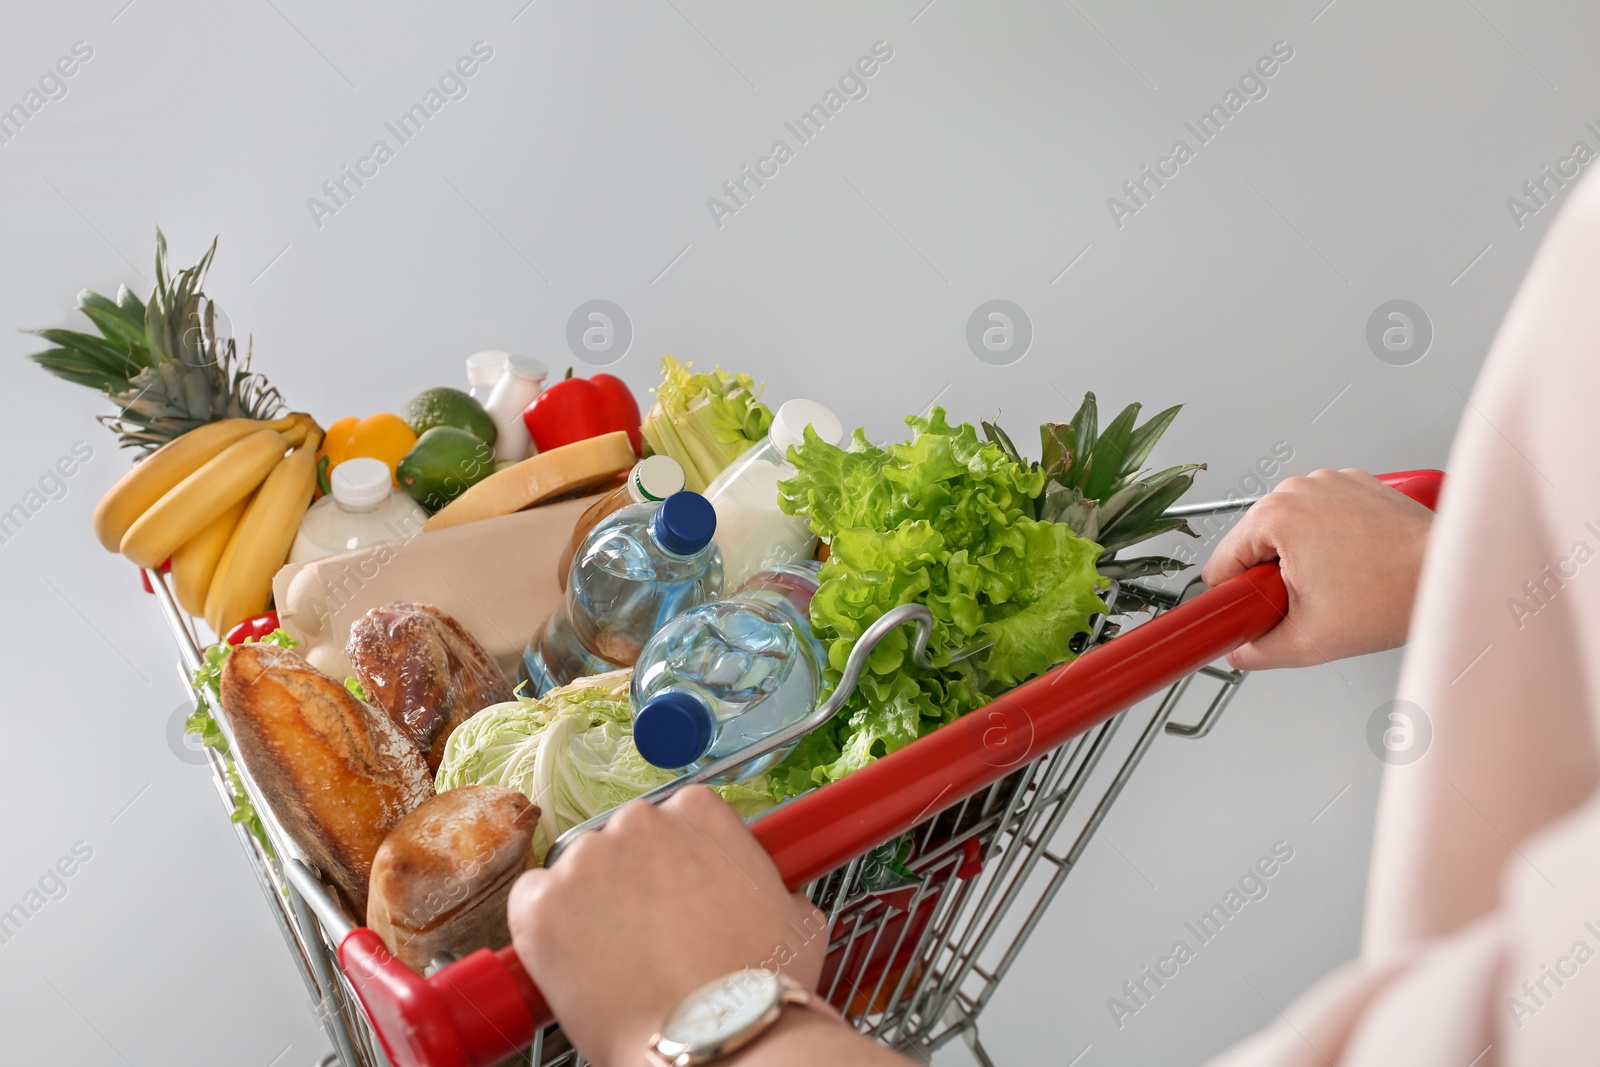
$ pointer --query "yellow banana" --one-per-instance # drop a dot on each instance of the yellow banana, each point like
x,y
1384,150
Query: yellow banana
x,y
193,503
156,475
242,584
302,426
195,561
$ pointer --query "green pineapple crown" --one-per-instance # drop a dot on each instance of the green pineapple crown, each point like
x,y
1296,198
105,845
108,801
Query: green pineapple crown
x,y
162,361
1096,483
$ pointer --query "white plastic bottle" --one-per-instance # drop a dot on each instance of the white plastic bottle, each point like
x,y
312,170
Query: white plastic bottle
x,y
484,370
753,532
365,509
522,380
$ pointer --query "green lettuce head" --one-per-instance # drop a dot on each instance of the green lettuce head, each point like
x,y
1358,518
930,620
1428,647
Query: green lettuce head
x,y
571,752
943,520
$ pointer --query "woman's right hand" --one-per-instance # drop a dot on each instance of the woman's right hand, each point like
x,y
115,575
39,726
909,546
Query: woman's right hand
x,y
1351,552
658,903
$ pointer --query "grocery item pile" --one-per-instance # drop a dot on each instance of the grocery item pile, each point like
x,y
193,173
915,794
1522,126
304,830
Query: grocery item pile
x,y
727,559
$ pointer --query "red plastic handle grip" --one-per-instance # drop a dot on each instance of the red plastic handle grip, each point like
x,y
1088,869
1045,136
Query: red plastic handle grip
x,y
484,1007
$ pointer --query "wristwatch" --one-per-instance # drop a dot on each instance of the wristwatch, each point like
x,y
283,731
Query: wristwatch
x,y
724,1016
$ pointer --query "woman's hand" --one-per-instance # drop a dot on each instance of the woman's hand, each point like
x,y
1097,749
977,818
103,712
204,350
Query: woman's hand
x,y
1351,551
640,914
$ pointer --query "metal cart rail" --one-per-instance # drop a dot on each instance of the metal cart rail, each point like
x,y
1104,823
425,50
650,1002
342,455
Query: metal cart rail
x,y
976,808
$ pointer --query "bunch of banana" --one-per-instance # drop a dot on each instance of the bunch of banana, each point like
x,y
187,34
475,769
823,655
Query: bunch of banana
x,y
234,482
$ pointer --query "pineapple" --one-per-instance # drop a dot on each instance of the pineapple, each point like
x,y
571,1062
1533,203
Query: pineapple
x,y
1097,486
161,362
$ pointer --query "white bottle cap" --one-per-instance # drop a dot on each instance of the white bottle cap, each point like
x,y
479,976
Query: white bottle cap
x,y
789,424
360,483
527,367
485,368
655,478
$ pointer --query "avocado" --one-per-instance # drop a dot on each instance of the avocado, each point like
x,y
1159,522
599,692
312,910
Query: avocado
x,y
444,406
445,462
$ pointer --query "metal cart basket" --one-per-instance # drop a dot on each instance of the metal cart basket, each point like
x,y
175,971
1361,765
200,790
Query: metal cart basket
x,y
966,816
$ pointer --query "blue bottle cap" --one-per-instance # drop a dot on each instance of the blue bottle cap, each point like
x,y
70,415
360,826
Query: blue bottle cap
x,y
684,523
673,729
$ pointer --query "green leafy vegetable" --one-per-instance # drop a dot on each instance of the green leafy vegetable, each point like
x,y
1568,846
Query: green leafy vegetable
x,y
945,520
208,683
353,685
571,752
704,421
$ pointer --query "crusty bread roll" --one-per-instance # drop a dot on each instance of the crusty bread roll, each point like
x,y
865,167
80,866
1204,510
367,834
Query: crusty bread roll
x,y
419,666
338,774
441,880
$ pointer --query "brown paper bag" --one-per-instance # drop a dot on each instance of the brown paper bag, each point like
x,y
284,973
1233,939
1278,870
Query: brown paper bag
x,y
496,576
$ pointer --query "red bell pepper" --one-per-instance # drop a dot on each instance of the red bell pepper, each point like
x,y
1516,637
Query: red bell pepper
x,y
576,409
257,626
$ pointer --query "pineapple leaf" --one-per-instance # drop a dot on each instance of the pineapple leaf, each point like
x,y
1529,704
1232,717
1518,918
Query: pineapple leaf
x,y
1143,519
1123,497
91,351
1085,426
174,317
1055,451
1154,528
1143,440
1139,567
997,436
81,362
1065,504
132,316
1109,459
117,325
70,367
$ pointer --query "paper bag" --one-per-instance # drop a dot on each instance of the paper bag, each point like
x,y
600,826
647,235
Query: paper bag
x,y
497,577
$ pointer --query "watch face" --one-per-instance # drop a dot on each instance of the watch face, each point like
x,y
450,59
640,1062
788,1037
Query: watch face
x,y
725,1009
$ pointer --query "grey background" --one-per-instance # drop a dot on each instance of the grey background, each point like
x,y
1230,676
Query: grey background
x,y
578,167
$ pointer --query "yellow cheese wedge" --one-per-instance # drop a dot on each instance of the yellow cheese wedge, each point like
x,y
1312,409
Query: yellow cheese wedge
x,y
569,469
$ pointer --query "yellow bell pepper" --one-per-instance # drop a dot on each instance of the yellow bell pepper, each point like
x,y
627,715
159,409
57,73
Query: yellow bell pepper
x,y
383,437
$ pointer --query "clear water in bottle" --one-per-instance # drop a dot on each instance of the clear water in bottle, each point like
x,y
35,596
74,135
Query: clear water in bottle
x,y
727,674
639,567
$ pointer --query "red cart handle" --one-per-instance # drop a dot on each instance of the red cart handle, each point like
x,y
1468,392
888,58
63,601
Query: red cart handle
x,y
484,1007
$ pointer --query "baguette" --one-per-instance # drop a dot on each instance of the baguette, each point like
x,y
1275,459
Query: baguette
x,y
337,774
442,878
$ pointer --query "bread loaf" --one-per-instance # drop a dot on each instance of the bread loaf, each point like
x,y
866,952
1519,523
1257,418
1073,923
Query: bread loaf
x,y
423,670
442,877
337,774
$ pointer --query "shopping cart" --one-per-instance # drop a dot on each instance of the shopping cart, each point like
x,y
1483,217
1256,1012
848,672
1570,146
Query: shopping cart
x,y
965,817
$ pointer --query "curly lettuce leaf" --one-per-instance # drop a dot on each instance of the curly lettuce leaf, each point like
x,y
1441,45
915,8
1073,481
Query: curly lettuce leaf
x,y
208,683
208,677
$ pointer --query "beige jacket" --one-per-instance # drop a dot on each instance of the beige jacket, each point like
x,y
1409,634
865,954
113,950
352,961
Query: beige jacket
x,y
1482,942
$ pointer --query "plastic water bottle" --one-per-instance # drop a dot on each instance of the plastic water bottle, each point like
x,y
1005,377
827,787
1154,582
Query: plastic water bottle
x,y
638,567
727,674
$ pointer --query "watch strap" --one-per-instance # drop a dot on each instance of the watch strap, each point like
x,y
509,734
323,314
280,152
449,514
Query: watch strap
x,y
801,997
